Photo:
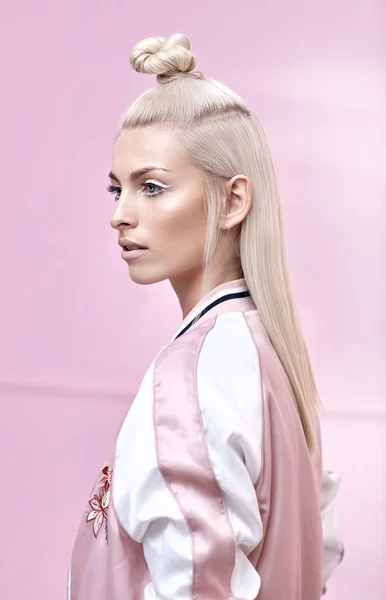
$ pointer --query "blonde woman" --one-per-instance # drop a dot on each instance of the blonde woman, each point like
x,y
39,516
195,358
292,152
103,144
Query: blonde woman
x,y
214,488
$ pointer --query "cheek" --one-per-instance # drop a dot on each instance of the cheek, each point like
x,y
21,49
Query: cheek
x,y
187,243
183,219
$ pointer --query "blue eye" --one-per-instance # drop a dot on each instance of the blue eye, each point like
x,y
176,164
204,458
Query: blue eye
x,y
153,188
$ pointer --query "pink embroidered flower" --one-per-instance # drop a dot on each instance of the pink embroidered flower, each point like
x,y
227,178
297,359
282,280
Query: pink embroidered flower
x,y
99,502
106,478
98,513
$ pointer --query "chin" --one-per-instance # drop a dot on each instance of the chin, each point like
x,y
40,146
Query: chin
x,y
141,277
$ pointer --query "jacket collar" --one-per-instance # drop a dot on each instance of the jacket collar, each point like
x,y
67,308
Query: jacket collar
x,y
230,296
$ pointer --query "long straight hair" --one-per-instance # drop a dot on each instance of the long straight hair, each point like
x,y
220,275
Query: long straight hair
x,y
222,138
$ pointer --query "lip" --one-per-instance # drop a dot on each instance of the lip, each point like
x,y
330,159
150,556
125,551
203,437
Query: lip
x,y
132,254
126,242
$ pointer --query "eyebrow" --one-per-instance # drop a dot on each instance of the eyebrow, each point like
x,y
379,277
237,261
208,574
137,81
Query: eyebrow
x,y
135,174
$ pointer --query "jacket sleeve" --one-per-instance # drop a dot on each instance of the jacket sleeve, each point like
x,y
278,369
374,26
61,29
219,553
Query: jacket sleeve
x,y
333,548
201,551
191,503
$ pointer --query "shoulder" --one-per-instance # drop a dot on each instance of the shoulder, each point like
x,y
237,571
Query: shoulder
x,y
224,340
211,376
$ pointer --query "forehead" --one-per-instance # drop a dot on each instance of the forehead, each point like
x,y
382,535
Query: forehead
x,y
135,148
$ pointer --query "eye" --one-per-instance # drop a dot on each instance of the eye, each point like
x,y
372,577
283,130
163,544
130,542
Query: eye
x,y
114,189
153,188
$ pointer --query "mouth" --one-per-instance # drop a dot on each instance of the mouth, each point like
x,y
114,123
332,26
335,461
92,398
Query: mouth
x,y
133,252
131,248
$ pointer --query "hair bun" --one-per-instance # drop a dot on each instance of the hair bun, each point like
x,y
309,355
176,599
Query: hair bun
x,y
166,57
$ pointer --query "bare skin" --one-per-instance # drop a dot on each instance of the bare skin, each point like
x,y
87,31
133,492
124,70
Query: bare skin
x,y
164,211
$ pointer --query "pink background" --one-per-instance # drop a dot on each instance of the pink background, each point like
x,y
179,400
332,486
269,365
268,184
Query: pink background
x,y
77,334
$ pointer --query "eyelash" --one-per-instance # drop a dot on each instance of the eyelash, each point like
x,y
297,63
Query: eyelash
x,y
116,189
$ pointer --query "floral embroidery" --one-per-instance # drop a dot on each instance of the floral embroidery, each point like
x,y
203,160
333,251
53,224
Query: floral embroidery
x,y
100,502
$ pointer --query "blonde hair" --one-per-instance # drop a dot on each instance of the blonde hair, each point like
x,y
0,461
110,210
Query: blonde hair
x,y
221,136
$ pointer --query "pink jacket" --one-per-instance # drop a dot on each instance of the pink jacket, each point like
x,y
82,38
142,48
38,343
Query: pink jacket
x,y
209,492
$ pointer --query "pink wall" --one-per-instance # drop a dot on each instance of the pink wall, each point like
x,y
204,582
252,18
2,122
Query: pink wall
x,y
314,72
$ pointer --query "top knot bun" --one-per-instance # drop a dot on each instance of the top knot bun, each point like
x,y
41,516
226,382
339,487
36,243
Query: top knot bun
x,y
167,57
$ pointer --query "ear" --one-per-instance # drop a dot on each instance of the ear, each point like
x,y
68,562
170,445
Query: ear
x,y
238,201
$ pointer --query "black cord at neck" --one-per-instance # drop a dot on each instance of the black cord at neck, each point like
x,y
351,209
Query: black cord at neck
x,y
231,296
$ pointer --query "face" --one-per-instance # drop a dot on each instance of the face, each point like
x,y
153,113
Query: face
x,y
162,209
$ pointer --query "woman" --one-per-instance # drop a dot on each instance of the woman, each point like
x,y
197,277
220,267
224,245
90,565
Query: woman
x,y
214,488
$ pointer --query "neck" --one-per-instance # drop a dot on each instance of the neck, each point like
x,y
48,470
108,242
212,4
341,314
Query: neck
x,y
189,287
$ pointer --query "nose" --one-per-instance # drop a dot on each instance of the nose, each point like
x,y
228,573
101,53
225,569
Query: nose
x,y
123,215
